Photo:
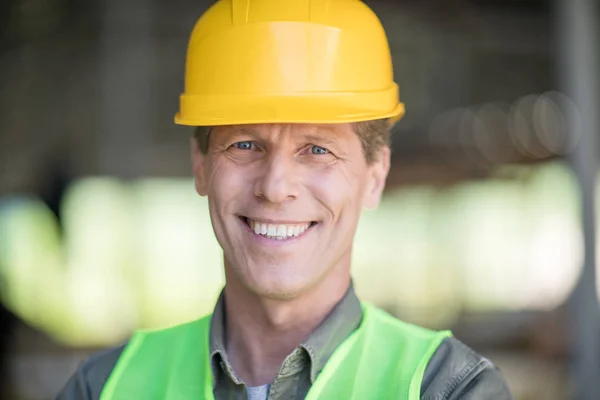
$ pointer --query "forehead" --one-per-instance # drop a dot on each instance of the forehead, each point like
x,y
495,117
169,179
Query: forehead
x,y
289,131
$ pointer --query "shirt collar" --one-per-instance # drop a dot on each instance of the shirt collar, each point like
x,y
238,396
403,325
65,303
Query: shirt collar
x,y
335,328
218,355
320,345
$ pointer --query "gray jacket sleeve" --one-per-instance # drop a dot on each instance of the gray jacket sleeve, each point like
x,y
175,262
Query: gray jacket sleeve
x,y
455,372
89,379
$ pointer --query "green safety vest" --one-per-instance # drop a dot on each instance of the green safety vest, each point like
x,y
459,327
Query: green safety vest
x,y
384,358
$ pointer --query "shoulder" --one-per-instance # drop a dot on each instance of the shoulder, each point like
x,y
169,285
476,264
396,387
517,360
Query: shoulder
x,y
89,379
457,372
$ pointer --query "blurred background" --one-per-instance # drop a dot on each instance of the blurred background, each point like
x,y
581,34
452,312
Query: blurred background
x,y
488,225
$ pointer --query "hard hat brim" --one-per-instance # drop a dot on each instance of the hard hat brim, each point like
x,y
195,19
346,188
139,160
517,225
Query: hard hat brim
x,y
325,108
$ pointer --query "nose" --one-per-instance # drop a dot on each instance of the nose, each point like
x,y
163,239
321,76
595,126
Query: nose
x,y
278,179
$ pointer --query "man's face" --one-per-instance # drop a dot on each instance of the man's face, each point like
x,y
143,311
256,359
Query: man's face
x,y
285,200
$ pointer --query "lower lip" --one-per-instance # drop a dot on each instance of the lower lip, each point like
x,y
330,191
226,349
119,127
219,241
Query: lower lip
x,y
277,242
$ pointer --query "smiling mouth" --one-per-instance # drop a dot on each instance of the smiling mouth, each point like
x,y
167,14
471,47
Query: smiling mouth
x,y
278,231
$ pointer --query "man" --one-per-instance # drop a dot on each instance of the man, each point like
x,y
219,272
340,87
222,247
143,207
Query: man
x,y
293,101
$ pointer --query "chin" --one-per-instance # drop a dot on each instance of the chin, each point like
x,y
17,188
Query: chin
x,y
280,287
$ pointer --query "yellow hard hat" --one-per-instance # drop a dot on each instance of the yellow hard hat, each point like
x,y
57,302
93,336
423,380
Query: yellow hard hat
x,y
288,61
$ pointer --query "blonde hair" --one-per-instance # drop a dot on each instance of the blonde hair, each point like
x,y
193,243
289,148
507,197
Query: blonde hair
x,y
373,135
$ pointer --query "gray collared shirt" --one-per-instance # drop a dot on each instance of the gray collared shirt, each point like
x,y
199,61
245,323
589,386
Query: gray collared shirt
x,y
301,367
455,372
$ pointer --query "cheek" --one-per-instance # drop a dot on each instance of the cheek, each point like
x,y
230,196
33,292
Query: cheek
x,y
338,190
224,185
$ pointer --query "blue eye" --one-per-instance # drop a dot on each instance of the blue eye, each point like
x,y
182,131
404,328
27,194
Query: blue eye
x,y
246,145
319,150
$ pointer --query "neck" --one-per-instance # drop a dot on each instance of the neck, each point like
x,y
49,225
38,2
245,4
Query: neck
x,y
262,331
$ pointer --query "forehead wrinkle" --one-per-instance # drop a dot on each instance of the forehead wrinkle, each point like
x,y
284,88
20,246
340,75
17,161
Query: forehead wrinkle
x,y
319,133
280,132
229,132
327,135
273,133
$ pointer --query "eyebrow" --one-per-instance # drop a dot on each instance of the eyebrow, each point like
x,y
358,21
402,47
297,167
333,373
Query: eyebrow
x,y
315,137
244,130
241,130
321,134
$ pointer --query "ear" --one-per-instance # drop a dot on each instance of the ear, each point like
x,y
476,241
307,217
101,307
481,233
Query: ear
x,y
199,168
377,175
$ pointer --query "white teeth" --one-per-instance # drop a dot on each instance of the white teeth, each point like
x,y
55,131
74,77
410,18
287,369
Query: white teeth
x,y
279,232
282,230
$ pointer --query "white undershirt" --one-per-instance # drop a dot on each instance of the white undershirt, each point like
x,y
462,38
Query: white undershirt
x,y
258,392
